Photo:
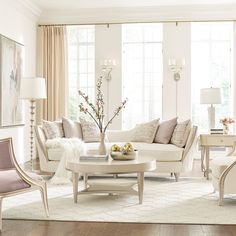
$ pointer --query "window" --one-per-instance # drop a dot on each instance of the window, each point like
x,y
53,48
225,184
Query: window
x,y
81,65
211,67
141,72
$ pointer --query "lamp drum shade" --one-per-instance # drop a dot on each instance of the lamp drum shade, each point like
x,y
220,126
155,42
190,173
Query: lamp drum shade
x,y
210,96
33,88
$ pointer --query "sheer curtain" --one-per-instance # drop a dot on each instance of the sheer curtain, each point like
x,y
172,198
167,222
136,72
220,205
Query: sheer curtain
x,y
52,65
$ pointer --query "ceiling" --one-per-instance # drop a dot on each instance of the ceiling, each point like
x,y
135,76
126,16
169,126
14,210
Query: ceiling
x,y
81,4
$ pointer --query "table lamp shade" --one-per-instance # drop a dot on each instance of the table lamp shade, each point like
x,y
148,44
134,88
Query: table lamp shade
x,y
210,96
33,88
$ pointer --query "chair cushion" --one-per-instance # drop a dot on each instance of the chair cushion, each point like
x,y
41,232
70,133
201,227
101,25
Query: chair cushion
x,y
219,164
10,181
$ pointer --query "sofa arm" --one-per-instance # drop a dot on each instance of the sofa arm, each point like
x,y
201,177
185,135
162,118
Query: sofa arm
x,y
40,140
190,146
119,135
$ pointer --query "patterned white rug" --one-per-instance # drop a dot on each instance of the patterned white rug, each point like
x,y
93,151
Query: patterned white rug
x,y
188,201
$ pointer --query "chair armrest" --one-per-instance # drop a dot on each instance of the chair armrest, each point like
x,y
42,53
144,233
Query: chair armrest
x,y
40,140
233,152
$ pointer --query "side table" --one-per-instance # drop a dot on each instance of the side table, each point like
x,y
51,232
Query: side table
x,y
213,140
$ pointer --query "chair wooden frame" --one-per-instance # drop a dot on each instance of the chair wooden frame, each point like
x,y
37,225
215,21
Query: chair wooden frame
x,y
223,176
33,184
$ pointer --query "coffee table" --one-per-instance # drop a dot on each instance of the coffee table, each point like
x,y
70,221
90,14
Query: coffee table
x,y
139,166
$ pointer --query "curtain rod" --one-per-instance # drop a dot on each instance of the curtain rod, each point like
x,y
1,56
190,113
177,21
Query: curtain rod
x,y
135,22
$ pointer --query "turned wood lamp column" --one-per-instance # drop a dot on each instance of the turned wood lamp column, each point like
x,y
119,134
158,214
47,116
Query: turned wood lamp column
x,y
32,89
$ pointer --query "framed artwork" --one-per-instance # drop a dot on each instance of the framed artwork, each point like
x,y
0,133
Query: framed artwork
x,y
10,79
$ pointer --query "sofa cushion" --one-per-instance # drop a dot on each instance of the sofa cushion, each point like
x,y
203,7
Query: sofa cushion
x,y
72,128
165,131
160,152
90,131
219,164
53,129
145,132
181,133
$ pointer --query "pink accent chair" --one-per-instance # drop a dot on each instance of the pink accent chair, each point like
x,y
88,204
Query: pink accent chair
x,y
13,180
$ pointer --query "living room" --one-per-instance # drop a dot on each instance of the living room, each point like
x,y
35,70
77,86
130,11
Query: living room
x,y
173,62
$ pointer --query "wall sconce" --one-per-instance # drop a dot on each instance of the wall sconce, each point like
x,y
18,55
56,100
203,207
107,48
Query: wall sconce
x,y
107,66
176,66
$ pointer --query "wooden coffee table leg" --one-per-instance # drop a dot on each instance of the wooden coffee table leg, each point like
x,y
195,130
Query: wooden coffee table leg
x,y
140,186
75,185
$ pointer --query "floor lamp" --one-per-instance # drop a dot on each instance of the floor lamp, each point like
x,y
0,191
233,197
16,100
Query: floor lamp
x,y
32,89
210,96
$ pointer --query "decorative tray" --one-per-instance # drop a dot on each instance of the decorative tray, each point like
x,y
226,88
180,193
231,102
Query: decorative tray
x,y
120,156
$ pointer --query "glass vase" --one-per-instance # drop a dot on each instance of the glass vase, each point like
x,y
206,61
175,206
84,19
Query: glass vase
x,y
225,129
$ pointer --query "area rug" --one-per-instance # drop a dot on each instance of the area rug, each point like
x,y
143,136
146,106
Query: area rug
x,y
191,200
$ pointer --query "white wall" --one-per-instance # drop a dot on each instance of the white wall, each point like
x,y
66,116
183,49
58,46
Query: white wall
x,y
19,24
177,45
108,46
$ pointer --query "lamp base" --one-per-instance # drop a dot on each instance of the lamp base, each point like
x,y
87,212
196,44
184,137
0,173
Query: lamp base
x,y
211,117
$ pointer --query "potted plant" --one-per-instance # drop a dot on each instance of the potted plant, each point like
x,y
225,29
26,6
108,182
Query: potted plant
x,y
96,112
226,121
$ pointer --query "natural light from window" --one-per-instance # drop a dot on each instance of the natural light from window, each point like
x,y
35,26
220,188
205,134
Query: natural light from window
x,y
141,72
211,66
81,65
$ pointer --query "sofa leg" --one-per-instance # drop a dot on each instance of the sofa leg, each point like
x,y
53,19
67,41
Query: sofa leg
x,y
171,174
177,176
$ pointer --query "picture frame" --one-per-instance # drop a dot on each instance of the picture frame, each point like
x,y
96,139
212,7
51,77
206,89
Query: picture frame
x,y
11,60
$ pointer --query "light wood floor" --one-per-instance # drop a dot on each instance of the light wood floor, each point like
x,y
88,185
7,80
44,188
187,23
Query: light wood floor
x,y
57,228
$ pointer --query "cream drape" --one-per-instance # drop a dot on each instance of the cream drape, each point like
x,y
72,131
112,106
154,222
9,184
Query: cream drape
x,y
52,65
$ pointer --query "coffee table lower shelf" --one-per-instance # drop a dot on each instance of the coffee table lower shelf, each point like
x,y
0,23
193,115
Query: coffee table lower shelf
x,y
114,186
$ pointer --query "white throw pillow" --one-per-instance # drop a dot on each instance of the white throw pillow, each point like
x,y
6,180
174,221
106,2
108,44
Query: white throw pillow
x,y
181,133
145,132
53,129
90,131
72,128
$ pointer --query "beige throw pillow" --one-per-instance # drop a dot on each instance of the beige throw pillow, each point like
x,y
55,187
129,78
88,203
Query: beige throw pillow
x,y
53,129
145,132
72,128
90,131
165,131
181,133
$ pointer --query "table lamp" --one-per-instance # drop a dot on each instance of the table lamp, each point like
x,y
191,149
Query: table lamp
x,y
210,96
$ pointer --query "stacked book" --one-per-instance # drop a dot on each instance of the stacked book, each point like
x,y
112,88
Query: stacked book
x,y
95,158
216,131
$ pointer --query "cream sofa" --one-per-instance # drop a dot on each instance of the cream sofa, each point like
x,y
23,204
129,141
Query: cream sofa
x,y
169,158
